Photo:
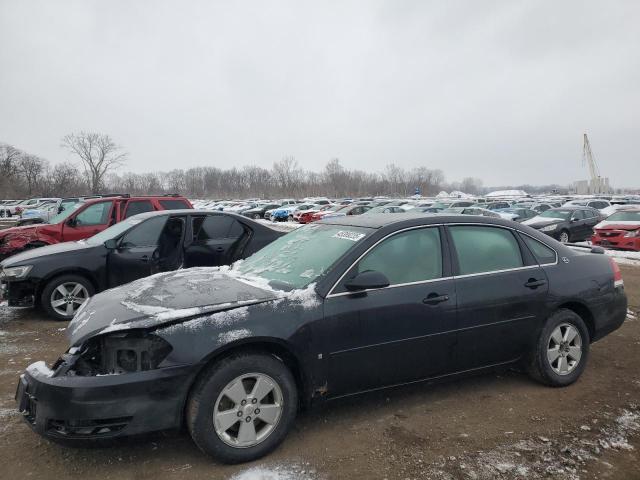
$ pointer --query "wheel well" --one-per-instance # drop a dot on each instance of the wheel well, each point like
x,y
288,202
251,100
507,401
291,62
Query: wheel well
x,y
270,348
583,312
72,271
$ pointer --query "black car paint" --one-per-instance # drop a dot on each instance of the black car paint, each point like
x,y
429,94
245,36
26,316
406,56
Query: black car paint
x,y
332,342
579,230
107,268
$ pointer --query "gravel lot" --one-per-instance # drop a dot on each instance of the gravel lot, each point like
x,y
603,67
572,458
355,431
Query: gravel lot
x,y
500,425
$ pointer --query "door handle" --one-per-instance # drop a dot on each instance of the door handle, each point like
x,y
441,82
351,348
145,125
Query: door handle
x,y
434,299
219,249
533,283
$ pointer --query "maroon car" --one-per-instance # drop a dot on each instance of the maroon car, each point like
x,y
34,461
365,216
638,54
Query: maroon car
x,y
83,220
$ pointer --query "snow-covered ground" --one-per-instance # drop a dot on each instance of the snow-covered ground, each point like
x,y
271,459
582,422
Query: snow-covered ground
x,y
282,226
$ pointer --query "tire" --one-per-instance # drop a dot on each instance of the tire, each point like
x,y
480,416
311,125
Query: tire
x,y
547,361
209,394
564,236
51,294
256,216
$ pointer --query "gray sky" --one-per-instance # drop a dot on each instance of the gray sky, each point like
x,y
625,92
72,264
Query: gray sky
x,y
498,90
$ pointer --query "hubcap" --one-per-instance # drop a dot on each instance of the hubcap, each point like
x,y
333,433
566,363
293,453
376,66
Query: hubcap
x,y
564,237
67,298
247,410
564,349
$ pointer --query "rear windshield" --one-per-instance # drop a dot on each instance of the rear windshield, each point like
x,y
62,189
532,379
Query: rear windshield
x,y
173,204
624,217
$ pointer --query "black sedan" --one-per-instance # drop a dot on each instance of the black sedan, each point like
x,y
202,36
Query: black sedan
x,y
567,224
61,277
335,308
259,211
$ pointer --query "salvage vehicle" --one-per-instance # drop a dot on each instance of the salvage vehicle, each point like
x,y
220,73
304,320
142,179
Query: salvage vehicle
x,y
517,214
258,212
83,220
620,230
334,308
567,224
61,277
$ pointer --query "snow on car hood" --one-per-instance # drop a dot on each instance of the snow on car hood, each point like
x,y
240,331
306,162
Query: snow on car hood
x,y
542,221
163,298
619,224
173,297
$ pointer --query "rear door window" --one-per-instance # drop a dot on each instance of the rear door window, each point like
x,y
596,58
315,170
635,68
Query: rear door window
x,y
543,254
485,249
216,227
138,206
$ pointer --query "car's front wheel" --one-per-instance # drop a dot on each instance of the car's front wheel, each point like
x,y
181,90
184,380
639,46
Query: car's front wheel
x,y
256,216
242,407
64,295
561,351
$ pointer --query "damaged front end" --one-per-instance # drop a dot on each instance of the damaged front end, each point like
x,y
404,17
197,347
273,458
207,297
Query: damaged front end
x,y
112,385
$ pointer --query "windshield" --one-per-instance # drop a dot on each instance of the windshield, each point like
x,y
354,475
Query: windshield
x,y
62,216
624,217
300,257
560,214
113,231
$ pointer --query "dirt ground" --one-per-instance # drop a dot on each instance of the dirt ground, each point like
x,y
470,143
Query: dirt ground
x,y
499,425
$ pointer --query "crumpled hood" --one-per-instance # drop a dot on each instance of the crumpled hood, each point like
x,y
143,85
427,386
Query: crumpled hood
x,y
162,299
26,230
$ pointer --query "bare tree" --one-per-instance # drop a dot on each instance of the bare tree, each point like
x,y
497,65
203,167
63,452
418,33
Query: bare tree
x,y
31,169
98,153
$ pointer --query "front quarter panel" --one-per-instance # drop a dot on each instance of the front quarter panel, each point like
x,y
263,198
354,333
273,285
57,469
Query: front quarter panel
x,y
283,323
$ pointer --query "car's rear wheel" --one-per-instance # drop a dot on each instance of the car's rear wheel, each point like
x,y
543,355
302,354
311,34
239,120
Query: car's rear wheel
x,y
561,351
564,236
64,295
242,407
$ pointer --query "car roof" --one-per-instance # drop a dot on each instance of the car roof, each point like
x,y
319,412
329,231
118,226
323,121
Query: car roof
x,y
380,220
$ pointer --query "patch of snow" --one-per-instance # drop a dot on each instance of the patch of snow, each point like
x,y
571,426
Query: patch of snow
x,y
276,473
8,412
233,335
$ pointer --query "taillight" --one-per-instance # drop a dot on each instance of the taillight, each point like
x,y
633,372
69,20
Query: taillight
x,y
617,274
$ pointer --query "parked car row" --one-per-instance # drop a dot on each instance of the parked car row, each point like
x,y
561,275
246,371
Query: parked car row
x,y
334,308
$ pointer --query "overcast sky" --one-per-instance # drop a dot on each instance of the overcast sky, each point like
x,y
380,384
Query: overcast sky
x,y
498,90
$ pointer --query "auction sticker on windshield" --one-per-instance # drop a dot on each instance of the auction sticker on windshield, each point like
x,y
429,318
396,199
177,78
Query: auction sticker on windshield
x,y
353,236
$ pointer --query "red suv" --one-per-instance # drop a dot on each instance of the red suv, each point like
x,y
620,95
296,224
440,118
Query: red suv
x,y
83,220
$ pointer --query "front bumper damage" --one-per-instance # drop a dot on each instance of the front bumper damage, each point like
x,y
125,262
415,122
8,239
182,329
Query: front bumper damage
x,y
61,405
18,293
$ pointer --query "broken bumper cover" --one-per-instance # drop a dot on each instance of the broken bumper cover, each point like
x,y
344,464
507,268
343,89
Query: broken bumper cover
x,y
96,407
18,293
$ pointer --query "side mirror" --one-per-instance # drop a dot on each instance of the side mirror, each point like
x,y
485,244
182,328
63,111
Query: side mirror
x,y
60,209
367,280
111,244
72,222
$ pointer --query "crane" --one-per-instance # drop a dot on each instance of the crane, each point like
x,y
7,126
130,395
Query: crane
x,y
588,158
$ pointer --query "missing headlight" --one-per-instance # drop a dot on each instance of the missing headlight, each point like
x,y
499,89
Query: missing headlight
x,y
121,353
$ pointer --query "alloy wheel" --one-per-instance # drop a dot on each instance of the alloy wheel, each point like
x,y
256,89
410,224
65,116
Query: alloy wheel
x,y
564,349
67,297
248,410
564,237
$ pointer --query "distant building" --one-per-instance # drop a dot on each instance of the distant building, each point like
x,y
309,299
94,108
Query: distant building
x,y
595,186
